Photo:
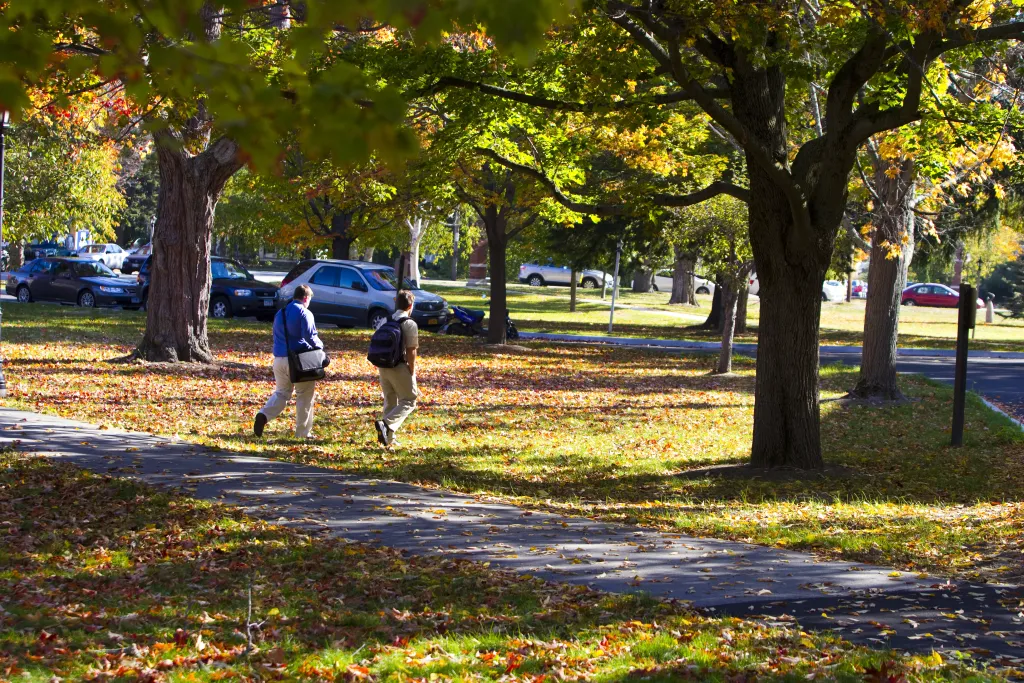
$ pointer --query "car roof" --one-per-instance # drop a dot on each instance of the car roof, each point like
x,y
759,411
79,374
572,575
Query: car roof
x,y
363,265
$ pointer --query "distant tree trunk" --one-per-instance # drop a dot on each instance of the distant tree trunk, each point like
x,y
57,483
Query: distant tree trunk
x,y
16,256
417,229
368,254
643,280
341,234
958,266
715,318
682,280
179,291
495,224
728,326
572,291
742,299
887,276
456,226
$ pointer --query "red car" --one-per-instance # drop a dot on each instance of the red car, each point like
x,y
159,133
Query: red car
x,y
933,295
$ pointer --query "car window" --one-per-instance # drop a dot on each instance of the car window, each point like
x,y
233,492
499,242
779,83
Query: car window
x,y
384,279
925,290
348,279
39,267
113,249
228,270
92,269
327,276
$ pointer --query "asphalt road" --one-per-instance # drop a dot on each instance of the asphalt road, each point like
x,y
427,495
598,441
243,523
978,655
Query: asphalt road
x,y
1000,380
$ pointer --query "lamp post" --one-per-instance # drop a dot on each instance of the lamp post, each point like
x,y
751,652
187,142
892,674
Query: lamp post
x,y
5,119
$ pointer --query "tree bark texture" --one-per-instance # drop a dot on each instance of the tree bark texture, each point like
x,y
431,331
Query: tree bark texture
x,y
572,290
714,319
179,290
794,215
16,256
495,223
728,327
417,229
892,247
368,254
742,299
682,279
643,280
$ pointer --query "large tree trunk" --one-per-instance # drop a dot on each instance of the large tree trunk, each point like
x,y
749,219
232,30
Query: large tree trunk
x,y
179,290
497,243
643,280
715,317
16,256
682,279
887,277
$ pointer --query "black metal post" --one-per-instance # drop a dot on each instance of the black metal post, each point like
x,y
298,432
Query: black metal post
x,y
968,314
4,118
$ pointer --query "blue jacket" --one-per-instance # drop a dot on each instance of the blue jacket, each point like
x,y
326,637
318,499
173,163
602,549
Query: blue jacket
x,y
301,330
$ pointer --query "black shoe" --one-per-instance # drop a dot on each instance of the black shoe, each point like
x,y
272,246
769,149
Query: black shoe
x,y
382,432
261,422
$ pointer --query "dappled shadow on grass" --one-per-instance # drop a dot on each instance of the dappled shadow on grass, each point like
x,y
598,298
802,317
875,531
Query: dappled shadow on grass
x,y
122,582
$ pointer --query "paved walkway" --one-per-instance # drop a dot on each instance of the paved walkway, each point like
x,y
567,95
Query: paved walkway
x,y
867,604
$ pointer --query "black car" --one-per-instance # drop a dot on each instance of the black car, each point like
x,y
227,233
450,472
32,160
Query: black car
x,y
133,262
233,290
72,281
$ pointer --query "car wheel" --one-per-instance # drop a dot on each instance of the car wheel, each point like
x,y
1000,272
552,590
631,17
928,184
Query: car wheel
x,y
24,295
703,290
909,302
536,281
377,318
220,308
87,299
588,283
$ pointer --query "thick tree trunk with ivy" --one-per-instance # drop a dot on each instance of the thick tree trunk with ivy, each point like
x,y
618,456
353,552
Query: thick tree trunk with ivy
x,y
179,289
892,247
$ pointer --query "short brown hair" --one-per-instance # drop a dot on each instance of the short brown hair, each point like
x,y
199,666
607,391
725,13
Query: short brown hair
x,y
404,300
302,292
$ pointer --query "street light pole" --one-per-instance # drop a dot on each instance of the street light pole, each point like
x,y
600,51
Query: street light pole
x,y
5,119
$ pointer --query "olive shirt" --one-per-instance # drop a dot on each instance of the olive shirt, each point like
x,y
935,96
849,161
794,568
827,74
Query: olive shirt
x,y
410,330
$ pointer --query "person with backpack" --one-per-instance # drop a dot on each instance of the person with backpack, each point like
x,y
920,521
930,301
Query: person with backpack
x,y
394,350
294,332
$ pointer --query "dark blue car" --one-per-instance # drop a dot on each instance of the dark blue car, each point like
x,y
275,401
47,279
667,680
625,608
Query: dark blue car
x,y
233,290
72,281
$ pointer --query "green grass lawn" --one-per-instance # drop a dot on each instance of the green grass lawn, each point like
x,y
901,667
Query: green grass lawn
x,y
603,432
648,315
122,582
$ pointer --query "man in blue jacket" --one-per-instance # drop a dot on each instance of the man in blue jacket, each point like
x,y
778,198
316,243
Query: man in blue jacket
x,y
302,335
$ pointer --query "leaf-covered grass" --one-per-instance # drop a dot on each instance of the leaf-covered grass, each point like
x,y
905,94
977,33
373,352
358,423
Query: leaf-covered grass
x,y
601,432
648,315
122,582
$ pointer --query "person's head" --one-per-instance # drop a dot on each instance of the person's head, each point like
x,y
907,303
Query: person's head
x,y
404,300
302,295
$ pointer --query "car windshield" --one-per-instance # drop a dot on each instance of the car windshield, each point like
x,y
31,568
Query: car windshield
x,y
227,270
93,269
384,279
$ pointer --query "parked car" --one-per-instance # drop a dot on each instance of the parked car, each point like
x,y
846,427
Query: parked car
x,y
931,294
358,294
44,250
110,255
233,290
72,281
860,289
663,283
133,262
537,275
833,290
753,286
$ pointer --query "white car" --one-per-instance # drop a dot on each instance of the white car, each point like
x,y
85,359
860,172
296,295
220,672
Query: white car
x,y
537,275
831,290
110,255
663,283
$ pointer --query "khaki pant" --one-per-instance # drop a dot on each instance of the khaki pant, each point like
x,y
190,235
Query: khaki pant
x,y
304,393
400,394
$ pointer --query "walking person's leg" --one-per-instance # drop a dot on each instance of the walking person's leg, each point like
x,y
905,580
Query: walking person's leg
x,y
305,393
278,400
404,385
390,395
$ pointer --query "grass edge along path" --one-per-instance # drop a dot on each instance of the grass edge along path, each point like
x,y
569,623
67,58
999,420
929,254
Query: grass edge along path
x,y
122,581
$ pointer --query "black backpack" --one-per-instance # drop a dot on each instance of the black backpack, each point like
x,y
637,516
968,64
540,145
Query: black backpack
x,y
386,349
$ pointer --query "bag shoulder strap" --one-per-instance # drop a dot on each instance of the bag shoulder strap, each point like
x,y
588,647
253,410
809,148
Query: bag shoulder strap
x,y
284,327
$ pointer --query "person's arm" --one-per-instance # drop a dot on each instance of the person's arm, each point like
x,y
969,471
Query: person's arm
x,y
309,336
410,359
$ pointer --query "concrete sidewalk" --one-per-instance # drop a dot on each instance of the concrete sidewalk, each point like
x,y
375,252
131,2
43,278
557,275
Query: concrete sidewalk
x,y
872,605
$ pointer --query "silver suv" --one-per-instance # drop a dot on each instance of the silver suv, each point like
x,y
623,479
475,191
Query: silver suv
x,y
358,294
537,275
